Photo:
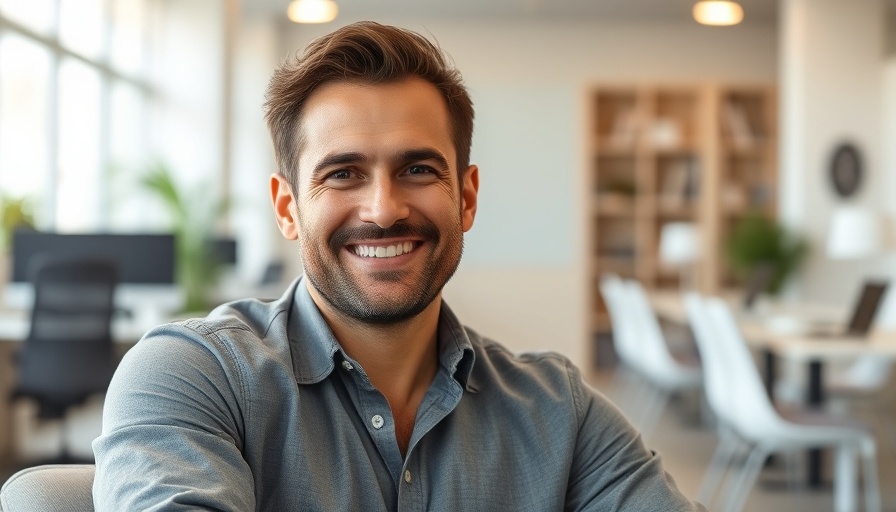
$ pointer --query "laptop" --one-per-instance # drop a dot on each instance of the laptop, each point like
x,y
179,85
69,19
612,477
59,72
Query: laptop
x,y
862,318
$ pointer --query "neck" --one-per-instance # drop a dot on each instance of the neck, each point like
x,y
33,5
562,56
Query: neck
x,y
400,359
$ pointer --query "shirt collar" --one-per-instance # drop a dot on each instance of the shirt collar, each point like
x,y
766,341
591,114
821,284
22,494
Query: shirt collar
x,y
455,349
310,338
314,345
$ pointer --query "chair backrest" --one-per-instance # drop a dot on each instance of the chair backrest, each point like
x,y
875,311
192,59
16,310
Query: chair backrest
x,y
625,339
751,410
654,351
868,373
68,354
712,357
73,300
49,488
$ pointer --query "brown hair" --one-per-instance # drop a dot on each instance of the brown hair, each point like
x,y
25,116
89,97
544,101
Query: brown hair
x,y
365,52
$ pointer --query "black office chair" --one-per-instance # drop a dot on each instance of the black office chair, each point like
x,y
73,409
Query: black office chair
x,y
68,355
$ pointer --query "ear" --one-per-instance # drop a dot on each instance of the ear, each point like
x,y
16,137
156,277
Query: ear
x,y
284,206
468,196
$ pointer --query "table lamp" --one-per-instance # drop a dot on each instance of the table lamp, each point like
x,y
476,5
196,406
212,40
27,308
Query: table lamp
x,y
680,248
855,233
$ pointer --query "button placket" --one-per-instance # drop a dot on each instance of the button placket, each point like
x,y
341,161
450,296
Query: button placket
x,y
377,421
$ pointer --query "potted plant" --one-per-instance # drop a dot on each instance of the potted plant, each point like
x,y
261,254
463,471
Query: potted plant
x,y
758,239
15,213
193,217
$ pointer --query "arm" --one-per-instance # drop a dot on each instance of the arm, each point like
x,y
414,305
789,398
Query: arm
x,y
172,429
612,469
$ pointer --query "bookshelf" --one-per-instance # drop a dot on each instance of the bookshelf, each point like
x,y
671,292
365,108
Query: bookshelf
x,y
701,153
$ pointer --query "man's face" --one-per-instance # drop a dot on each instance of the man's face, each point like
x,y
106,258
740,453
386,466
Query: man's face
x,y
378,208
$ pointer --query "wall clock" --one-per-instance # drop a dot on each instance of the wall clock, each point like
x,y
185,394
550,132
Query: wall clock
x,y
846,169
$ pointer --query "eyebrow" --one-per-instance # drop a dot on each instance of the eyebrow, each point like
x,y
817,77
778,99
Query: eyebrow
x,y
337,159
413,155
352,157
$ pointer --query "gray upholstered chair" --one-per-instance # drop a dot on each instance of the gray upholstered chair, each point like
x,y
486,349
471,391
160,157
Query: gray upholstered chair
x,y
49,488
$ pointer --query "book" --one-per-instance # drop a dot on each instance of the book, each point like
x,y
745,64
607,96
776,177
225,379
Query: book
x,y
738,126
676,185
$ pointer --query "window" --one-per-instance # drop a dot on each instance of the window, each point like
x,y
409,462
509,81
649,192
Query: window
x,y
25,136
73,97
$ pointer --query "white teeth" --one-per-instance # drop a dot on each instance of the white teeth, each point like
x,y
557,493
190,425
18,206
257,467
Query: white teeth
x,y
390,251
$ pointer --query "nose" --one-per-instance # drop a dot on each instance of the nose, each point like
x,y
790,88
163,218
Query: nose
x,y
385,203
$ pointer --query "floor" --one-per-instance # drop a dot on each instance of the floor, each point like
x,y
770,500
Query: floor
x,y
686,443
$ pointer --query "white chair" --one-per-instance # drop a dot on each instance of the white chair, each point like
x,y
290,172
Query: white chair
x,y
628,381
738,397
642,348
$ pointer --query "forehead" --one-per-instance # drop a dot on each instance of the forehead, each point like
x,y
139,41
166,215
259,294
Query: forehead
x,y
370,118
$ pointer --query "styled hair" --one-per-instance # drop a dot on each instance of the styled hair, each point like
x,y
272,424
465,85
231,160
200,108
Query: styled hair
x,y
364,52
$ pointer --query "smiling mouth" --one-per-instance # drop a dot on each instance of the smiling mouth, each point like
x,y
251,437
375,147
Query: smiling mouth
x,y
384,251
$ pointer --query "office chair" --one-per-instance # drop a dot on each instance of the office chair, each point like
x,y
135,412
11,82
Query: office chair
x,y
49,488
68,354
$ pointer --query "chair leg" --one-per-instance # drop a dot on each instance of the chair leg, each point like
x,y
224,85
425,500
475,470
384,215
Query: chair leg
x,y
721,460
643,394
870,479
740,490
624,387
845,478
653,411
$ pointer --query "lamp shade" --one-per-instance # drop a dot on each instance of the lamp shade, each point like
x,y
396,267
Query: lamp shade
x,y
679,243
855,233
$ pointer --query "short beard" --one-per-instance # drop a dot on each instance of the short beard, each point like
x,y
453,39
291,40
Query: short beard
x,y
336,286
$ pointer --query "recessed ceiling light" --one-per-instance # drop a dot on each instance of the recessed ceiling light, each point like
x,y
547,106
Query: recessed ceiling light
x,y
312,11
719,13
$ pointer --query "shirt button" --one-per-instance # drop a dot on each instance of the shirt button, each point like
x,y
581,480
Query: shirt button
x,y
377,422
348,366
407,476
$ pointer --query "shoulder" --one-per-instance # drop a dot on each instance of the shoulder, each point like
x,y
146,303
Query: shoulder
x,y
548,378
232,334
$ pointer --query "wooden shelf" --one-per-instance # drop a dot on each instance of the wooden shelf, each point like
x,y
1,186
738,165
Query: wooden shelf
x,y
702,153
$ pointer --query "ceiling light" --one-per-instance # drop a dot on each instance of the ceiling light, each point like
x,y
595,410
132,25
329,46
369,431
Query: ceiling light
x,y
718,13
312,11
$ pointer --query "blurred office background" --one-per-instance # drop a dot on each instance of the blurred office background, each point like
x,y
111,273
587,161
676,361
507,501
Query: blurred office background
x,y
97,94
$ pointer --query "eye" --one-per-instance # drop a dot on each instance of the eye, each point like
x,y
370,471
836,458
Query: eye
x,y
417,170
341,174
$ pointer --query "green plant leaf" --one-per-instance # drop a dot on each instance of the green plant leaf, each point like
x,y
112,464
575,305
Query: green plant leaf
x,y
758,239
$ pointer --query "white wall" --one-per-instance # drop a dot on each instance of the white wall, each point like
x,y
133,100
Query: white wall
x,y
832,90
522,280
252,218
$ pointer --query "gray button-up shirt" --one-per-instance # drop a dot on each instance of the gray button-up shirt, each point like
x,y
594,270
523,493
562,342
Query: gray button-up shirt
x,y
256,407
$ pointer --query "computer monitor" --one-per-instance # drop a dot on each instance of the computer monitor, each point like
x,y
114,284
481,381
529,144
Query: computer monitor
x,y
146,266
223,250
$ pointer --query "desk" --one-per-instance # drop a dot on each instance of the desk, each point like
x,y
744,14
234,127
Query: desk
x,y
769,331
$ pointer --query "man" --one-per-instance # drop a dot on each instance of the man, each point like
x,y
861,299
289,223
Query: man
x,y
359,389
